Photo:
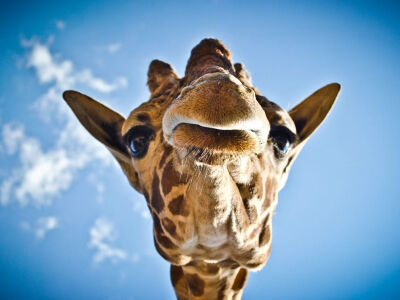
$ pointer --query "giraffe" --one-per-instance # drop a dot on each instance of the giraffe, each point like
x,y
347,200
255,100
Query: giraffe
x,y
209,153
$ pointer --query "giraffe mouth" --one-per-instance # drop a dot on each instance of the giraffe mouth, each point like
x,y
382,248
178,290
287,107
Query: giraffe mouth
x,y
218,116
215,146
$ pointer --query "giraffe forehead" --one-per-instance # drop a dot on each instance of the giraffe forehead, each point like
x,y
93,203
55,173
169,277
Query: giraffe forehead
x,y
282,117
276,115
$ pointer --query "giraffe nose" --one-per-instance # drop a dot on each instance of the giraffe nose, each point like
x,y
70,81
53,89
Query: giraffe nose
x,y
217,113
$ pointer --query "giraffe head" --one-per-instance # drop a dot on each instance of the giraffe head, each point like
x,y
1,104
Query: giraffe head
x,y
209,153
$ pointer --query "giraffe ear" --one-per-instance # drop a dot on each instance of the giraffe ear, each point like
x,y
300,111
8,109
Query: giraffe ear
x,y
310,113
243,75
159,76
105,125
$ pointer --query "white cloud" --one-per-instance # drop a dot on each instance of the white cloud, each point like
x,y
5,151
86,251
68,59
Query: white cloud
x,y
12,136
47,69
42,226
102,233
6,188
44,172
112,48
100,85
141,208
63,73
60,24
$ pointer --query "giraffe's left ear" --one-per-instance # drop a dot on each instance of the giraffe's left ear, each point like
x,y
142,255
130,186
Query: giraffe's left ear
x,y
310,113
307,116
105,125
243,75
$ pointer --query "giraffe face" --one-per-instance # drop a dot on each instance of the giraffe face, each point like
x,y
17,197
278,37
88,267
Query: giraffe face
x,y
215,153
214,121
209,153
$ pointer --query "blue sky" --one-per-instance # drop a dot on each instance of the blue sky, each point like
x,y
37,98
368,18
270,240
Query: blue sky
x,y
80,231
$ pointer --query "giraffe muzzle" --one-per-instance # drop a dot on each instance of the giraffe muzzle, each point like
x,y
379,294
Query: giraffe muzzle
x,y
218,114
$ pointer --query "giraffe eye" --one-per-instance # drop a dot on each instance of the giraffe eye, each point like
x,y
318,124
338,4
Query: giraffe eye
x,y
282,139
138,140
281,143
139,146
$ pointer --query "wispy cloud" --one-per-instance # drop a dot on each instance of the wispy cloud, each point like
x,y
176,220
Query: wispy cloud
x,y
13,134
60,24
141,208
63,73
42,226
41,175
44,173
102,234
108,48
112,48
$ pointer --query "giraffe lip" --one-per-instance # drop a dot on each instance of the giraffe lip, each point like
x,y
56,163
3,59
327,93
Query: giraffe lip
x,y
216,141
218,115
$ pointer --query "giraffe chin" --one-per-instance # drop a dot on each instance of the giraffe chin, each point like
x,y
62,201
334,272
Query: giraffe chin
x,y
215,146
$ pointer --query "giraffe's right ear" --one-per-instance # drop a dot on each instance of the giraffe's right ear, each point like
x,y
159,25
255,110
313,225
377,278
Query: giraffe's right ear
x,y
159,76
105,125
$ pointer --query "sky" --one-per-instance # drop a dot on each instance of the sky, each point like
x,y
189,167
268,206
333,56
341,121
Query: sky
x,y
71,227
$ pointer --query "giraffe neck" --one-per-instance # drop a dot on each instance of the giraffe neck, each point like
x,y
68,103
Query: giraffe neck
x,y
200,280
